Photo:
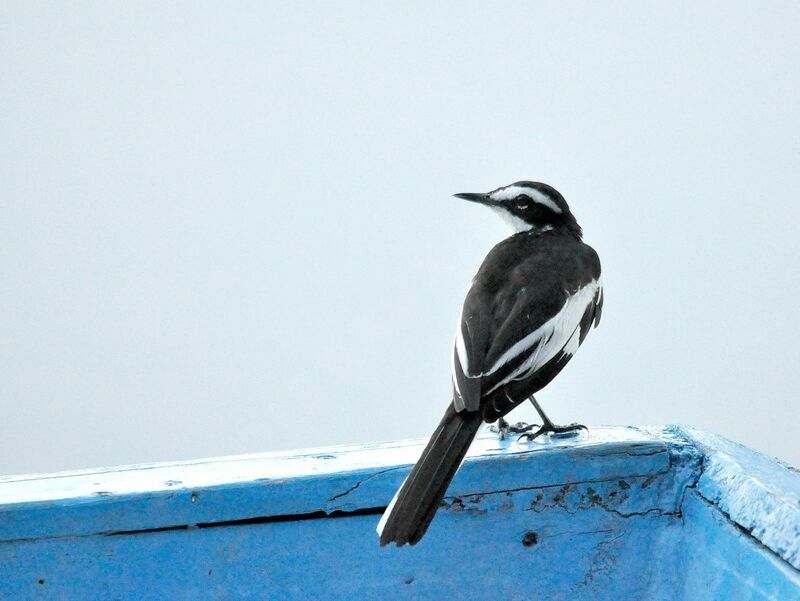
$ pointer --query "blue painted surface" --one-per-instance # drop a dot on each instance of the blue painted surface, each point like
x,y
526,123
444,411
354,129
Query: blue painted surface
x,y
620,513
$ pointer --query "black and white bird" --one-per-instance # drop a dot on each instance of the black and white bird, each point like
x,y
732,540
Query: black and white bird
x,y
531,304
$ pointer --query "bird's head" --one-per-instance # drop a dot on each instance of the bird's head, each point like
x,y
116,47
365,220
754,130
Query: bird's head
x,y
528,206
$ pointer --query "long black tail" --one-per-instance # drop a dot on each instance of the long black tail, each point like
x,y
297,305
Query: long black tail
x,y
410,513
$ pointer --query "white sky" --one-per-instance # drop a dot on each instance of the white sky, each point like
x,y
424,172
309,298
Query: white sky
x,y
228,228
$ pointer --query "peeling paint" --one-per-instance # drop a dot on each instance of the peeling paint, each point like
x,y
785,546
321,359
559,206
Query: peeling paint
x,y
530,539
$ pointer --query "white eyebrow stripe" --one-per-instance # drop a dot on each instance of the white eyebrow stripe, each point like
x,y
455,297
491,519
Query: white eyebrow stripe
x,y
536,196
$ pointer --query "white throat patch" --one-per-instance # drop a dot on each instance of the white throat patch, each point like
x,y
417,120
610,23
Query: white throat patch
x,y
516,224
536,196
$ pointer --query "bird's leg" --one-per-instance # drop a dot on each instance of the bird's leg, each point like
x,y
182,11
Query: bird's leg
x,y
548,427
503,428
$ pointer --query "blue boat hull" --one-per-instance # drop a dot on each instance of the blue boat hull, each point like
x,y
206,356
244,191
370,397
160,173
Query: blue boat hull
x,y
620,513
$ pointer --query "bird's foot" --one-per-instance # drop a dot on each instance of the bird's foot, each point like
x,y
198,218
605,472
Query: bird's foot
x,y
503,428
553,431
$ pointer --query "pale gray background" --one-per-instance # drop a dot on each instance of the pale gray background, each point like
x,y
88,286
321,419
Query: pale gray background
x,y
229,228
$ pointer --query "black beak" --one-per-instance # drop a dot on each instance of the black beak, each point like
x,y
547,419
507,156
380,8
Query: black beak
x,y
481,198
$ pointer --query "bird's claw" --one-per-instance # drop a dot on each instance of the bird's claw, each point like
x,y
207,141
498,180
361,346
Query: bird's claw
x,y
554,431
502,428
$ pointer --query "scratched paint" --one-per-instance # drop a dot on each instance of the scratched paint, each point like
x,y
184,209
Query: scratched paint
x,y
620,513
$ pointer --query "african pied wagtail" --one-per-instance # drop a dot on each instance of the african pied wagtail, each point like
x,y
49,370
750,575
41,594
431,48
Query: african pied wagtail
x,y
531,304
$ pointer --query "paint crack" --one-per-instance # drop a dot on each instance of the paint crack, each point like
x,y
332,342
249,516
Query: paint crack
x,y
359,483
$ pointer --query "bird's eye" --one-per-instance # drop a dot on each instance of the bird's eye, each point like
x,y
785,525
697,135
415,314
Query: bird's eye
x,y
521,201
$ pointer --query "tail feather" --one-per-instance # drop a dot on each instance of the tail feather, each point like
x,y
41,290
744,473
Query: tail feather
x,y
410,513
